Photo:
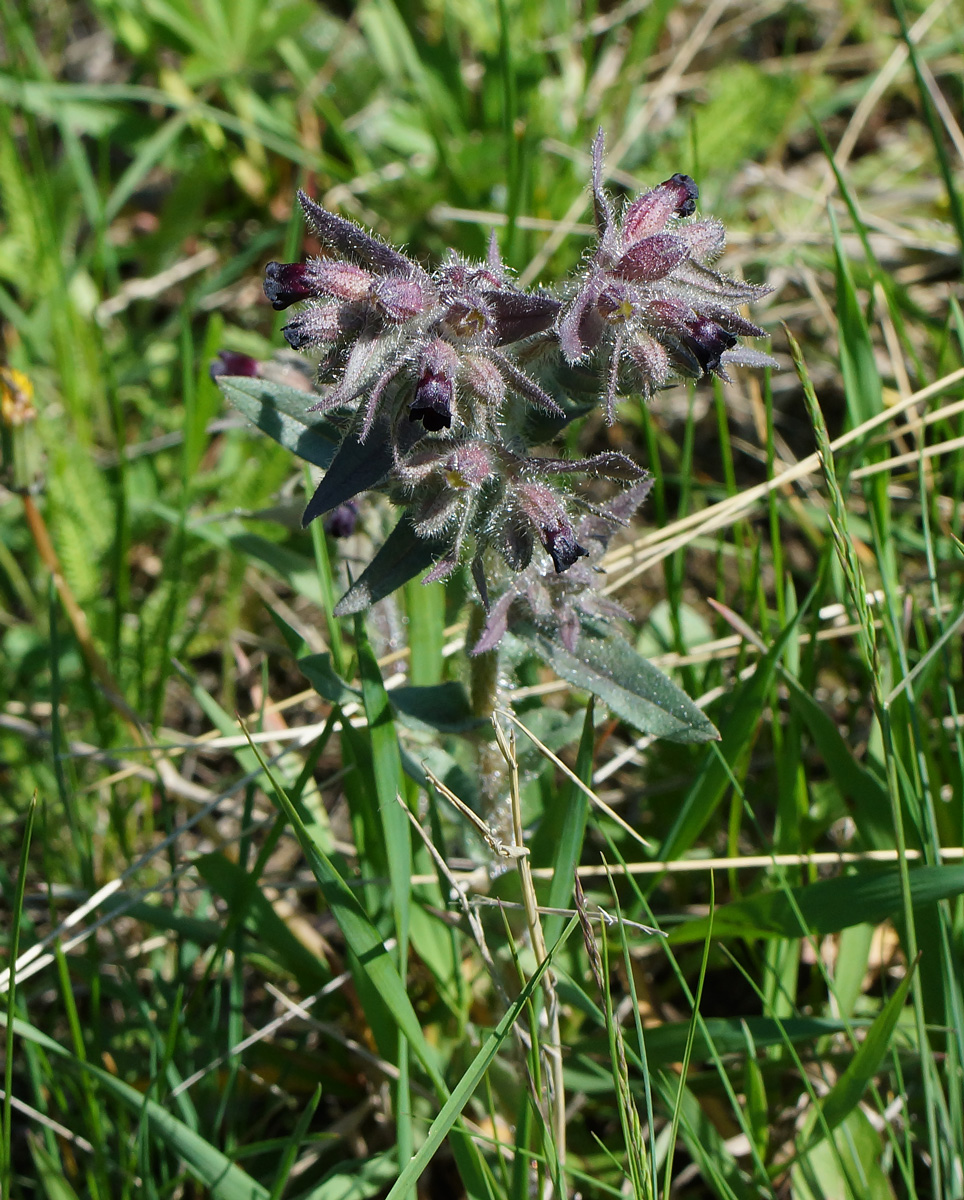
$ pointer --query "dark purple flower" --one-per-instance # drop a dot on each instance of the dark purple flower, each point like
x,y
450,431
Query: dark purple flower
x,y
230,362
341,521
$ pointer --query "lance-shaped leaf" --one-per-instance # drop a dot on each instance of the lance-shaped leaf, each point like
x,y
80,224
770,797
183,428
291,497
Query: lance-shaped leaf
x,y
356,467
403,555
280,412
629,684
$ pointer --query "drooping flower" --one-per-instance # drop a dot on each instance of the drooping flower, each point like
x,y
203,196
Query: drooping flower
x,y
560,601
648,304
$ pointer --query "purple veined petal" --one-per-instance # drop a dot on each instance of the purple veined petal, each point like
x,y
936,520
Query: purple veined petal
x,y
648,213
432,404
434,400
708,340
652,258
561,545
345,237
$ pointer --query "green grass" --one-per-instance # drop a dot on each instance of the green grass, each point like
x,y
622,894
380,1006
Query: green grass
x,y
259,952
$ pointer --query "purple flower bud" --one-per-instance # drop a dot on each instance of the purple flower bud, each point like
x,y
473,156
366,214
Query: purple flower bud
x,y
518,315
652,258
560,542
229,362
435,387
469,466
651,362
649,212
287,283
705,239
342,280
400,299
341,521
319,325
544,509
482,379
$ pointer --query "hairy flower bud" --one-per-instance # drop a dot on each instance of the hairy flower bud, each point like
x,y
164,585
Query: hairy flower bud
x,y
470,466
705,239
320,325
435,387
287,283
652,258
708,340
483,380
401,299
517,315
544,509
648,213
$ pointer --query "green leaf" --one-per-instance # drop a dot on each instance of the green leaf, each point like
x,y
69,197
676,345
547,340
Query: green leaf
x,y
441,706
246,900
464,1089
382,977
665,1043
279,411
356,467
356,1179
846,1093
827,906
744,713
326,681
402,556
635,690
206,1163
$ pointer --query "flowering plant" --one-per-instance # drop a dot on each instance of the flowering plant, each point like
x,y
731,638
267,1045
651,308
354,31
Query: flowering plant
x,y
436,388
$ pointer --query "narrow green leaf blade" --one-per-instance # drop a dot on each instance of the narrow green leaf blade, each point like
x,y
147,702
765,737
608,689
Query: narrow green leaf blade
x,y
828,905
846,1093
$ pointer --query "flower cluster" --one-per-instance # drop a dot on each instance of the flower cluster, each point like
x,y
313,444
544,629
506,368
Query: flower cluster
x,y
648,302
447,367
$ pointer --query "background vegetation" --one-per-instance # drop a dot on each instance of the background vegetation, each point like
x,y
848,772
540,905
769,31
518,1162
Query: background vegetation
x,y
201,1005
